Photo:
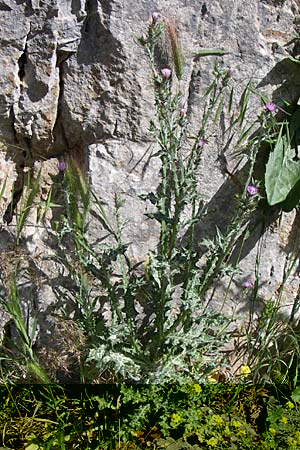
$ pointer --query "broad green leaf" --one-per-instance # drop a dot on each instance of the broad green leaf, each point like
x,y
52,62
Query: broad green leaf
x,y
282,172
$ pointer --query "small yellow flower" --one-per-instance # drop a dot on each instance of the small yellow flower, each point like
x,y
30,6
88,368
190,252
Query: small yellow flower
x,y
290,405
212,442
272,430
197,388
245,371
297,436
292,443
176,418
211,379
235,423
217,420
284,420
242,433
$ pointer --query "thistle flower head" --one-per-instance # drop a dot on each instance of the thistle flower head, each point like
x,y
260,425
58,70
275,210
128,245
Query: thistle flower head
x,y
252,190
270,107
155,18
182,112
166,73
201,143
247,284
61,166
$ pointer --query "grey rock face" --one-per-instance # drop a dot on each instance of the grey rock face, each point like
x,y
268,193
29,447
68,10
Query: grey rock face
x,y
73,73
74,81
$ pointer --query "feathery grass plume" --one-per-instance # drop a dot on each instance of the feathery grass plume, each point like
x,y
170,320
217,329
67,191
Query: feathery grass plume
x,y
175,47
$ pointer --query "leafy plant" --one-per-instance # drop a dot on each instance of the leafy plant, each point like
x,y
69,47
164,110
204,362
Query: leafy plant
x,y
282,176
181,330
166,350
12,305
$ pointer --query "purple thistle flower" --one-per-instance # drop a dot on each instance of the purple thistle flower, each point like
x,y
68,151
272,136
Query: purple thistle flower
x,y
270,107
182,113
166,73
247,284
61,166
201,143
155,17
252,190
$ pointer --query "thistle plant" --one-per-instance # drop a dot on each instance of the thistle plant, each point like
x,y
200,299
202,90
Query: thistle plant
x,y
180,331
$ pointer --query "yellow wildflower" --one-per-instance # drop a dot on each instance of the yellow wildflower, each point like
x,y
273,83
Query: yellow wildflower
x,y
235,423
217,420
176,418
290,405
212,442
245,371
197,388
242,433
292,443
272,430
211,379
284,420
297,436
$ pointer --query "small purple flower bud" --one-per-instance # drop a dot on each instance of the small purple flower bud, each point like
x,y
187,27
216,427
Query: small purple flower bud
x,y
270,107
201,143
247,284
61,166
155,17
252,190
166,73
